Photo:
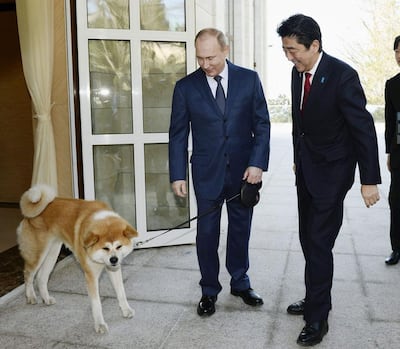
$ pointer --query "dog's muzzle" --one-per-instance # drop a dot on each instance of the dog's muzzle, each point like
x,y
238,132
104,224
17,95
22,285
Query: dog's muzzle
x,y
114,260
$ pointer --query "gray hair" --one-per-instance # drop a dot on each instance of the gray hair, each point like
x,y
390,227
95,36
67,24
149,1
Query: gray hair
x,y
221,38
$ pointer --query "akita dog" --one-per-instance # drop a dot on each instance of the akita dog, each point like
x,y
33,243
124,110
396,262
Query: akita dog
x,y
98,237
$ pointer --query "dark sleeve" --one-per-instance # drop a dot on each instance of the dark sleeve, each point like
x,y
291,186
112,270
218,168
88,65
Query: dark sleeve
x,y
261,128
361,125
178,137
390,118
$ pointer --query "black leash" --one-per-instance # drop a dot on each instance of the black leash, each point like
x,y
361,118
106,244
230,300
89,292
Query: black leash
x,y
140,243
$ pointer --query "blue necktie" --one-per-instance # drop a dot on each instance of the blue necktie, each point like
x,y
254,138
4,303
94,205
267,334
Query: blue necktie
x,y
220,95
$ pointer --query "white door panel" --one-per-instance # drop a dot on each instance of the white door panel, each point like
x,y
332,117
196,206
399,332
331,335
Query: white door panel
x,y
130,54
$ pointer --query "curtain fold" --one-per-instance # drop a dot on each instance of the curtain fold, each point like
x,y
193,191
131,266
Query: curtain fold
x,y
36,35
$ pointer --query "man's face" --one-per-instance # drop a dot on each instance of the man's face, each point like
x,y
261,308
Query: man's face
x,y
397,54
302,58
210,56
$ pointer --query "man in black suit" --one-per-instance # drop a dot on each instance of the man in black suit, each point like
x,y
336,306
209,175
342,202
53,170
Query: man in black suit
x,y
332,133
392,141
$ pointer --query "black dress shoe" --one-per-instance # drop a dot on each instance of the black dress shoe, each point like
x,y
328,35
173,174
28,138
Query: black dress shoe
x,y
206,305
393,258
296,308
312,333
249,297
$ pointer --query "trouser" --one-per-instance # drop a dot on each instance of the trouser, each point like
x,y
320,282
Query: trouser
x,y
237,248
394,204
320,220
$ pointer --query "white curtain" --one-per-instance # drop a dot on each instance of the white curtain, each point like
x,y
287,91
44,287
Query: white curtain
x,y
36,35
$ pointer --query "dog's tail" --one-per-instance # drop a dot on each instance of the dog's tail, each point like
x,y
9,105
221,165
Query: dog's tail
x,y
35,200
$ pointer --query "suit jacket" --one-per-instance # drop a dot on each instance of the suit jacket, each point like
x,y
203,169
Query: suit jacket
x,y
392,107
335,131
231,141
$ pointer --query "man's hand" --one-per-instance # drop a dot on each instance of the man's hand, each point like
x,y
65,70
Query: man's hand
x,y
253,175
179,188
370,194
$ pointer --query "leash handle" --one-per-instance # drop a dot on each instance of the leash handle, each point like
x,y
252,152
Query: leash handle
x,y
140,243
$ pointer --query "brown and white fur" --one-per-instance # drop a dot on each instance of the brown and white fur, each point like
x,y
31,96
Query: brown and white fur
x,y
98,237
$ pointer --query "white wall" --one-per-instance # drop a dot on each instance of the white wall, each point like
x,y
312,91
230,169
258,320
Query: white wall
x,y
205,14
244,23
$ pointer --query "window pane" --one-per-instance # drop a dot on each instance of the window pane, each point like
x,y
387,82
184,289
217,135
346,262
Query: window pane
x,y
168,15
114,178
163,63
164,209
108,14
110,86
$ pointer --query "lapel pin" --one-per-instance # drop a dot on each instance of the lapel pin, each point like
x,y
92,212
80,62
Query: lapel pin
x,y
322,79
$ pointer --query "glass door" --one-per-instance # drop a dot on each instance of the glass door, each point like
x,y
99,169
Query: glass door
x,y
130,54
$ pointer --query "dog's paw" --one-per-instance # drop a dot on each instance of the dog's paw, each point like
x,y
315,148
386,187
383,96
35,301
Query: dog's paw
x,y
30,294
49,301
101,328
128,312
31,300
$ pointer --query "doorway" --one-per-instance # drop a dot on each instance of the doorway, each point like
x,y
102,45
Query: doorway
x,y
16,133
16,142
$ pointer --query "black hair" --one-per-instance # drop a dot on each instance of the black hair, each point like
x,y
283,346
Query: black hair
x,y
304,28
396,42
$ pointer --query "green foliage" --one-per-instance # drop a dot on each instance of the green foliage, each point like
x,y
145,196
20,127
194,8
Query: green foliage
x,y
378,112
280,109
374,58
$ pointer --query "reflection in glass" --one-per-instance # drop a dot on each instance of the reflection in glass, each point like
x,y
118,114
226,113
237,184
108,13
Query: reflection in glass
x,y
164,209
110,86
168,15
163,63
108,14
114,178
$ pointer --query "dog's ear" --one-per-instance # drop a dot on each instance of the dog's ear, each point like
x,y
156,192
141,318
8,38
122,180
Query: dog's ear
x,y
130,233
90,240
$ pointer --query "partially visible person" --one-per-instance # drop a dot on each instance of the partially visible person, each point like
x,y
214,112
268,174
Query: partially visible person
x,y
332,133
224,107
392,141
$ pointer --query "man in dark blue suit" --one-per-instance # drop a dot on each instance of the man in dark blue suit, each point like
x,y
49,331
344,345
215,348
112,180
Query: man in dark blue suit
x,y
332,133
229,123
392,145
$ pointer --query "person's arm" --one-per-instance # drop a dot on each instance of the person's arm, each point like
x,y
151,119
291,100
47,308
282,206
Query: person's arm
x,y
370,194
253,174
360,123
179,188
178,143
362,128
390,119
259,157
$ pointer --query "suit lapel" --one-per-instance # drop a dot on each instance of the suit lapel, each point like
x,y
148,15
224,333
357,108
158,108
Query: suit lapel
x,y
296,93
233,87
318,84
201,84
319,80
297,87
